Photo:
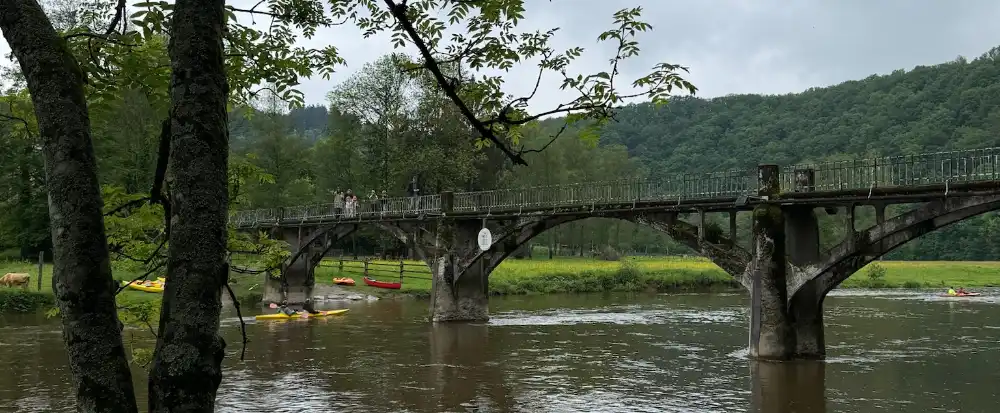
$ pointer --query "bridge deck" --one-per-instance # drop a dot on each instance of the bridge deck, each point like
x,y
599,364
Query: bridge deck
x,y
898,179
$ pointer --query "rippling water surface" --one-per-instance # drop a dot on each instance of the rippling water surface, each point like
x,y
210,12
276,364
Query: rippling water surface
x,y
888,352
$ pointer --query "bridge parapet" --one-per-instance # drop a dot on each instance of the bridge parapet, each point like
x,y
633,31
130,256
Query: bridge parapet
x,y
730,184
389,208
940,169
937,168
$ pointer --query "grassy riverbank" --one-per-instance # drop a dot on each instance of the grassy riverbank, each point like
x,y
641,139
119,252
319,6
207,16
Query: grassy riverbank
x,y
664,274
33,299
561,275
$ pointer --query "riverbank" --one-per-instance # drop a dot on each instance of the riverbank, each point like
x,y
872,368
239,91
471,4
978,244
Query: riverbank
x,y
662,274
561,275
17,300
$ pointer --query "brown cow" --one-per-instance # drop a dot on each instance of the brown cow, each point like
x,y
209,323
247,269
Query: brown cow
x,y
13,279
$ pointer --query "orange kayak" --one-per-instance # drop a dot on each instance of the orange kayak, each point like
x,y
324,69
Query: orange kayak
x,y
343,281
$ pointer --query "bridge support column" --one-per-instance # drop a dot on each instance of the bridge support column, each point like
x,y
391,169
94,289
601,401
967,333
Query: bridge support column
x,y
458,295
771,336
459,290
297,277
805,309
805,305
298,273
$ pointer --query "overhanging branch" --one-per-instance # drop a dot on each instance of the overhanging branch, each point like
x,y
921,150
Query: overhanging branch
x,y
450,89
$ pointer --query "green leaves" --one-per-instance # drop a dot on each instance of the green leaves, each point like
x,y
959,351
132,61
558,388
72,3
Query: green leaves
x,y
487,37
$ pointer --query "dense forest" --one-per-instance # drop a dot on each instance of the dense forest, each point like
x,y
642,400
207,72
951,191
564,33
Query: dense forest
x,y
383,128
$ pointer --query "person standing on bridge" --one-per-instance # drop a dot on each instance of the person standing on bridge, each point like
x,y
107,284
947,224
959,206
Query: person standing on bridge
x,y
338,203
414,192
383,200
350,203
373,200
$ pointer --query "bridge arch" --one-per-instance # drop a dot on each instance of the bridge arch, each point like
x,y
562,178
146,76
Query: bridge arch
x,y
720,250
868,245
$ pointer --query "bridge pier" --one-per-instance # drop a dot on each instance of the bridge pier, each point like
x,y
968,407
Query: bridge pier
x,y
460,284
805,311
771,335
298,274
459,295
805,304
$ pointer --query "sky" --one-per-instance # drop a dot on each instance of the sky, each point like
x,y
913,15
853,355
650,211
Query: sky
x,y
729,46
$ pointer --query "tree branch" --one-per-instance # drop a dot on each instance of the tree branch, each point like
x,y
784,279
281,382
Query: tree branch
x,y
127,205
243,324
554,137
119,14
399,12
162,160
141,277
103,37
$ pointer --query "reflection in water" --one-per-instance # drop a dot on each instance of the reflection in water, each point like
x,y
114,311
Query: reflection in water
x,y
460,369
789,387
683,353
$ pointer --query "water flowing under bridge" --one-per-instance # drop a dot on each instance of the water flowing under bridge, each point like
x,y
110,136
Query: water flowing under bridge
x,y
783,268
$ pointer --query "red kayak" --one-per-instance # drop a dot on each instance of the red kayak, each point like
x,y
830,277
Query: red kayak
x,y
382,284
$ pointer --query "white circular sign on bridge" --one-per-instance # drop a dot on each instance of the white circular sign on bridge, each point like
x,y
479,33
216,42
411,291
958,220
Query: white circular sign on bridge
x,y
485,239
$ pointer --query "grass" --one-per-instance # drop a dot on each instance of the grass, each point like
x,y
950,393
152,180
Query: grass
x,y
661,274
929,274
247,289
560,275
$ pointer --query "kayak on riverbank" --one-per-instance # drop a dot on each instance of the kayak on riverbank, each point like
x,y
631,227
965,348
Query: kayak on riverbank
x,y
283,316
343,281
382,284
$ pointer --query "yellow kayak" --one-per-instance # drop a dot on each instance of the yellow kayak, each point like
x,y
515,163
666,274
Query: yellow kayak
x,y
283,316
140,287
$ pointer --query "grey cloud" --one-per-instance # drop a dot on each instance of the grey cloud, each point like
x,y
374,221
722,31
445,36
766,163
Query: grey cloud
x,y
735,46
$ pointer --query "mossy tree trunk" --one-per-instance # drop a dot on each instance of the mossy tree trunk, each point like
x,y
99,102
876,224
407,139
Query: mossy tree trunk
x,y
187,367
81,279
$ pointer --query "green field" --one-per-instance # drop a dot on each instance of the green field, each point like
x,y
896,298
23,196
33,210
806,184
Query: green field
x,y
18,300
569,275
561,275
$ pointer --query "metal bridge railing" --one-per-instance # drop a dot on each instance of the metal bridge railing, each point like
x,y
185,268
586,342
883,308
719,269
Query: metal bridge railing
x,y
364,209
977,165
683,187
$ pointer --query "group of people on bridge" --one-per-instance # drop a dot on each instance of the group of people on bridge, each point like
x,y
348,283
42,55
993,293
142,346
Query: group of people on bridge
x,y
345,204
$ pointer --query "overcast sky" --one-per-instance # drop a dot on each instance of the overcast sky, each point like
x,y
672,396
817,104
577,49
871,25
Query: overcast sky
x,y
733,46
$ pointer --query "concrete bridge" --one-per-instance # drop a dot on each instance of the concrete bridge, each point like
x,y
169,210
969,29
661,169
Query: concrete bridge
x,y
784,269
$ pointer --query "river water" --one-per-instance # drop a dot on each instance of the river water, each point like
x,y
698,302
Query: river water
x,y
888,352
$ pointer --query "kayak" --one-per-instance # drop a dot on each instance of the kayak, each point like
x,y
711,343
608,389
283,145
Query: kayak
x,y
140,287
962,295
343,281
382,284
283,316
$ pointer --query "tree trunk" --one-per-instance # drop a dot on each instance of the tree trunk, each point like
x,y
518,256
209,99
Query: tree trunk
x,y
81,279
187,367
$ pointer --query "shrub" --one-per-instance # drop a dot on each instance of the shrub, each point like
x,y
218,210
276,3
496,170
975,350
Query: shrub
x,y
21,301
876,272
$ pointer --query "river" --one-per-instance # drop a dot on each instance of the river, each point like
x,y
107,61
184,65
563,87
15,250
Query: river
x,y
888,352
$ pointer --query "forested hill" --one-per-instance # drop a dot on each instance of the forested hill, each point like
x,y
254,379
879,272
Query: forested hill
x,y
953,105
382,131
